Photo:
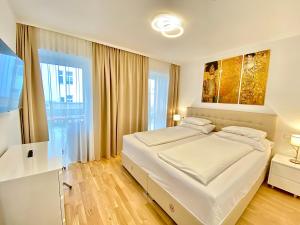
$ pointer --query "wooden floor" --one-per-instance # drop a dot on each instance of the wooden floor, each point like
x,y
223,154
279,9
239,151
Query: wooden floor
x,y
104,193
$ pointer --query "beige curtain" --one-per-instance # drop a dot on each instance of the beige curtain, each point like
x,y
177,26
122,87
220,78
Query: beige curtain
x,y
33,112
173,94
105,92
120,97
133,95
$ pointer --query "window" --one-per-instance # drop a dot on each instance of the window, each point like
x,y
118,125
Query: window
x,y
69,77
158,84
69,98
69,91
60,77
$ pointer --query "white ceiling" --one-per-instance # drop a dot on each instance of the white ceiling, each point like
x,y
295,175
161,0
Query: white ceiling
x,y
210,26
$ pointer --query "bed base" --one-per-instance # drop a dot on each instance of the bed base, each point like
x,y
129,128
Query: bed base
x,y
172,207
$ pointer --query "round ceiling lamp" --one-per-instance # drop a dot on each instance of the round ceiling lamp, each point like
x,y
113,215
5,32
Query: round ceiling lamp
x,y
176,32
168,25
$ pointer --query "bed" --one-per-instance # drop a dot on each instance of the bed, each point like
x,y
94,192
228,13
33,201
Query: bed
x,y
185,199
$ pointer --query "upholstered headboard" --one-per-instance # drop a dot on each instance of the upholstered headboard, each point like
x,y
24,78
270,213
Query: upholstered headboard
x,y
223,118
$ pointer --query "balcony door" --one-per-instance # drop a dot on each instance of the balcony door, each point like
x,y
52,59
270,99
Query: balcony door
x,y
67,89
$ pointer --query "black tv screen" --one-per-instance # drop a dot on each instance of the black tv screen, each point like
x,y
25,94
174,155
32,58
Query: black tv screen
x,y
11,78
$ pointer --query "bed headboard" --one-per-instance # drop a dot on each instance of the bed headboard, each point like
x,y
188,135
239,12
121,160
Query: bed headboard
x,y
222,118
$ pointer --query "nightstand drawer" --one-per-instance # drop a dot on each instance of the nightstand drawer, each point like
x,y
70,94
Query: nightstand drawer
x,y
285,171
284,184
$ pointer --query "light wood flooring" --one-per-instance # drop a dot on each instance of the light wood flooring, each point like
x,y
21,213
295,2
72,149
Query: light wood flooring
x,y
104,193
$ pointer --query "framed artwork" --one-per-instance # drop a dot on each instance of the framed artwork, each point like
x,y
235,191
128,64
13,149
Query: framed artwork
x,y
237,80
230,80
211,82
254,78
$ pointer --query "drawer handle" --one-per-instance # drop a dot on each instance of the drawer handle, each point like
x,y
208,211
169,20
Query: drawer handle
x,y
172,208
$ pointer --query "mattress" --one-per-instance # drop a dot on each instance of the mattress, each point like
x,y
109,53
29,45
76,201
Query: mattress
x,y
211,203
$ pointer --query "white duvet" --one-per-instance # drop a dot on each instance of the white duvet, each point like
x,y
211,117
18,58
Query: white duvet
x,y
165,135
206,158
210,203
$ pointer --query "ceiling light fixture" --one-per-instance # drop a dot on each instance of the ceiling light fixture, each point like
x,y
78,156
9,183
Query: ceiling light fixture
x,y
176,32
168,25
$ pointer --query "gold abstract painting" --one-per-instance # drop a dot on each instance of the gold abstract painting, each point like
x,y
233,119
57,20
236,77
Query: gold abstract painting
x,y
230,80
237,80
254,78
211,81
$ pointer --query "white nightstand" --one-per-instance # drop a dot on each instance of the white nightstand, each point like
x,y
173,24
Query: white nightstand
x,y
284,174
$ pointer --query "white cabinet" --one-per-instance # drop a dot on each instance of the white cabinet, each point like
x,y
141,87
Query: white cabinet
x,y
284,174
31,190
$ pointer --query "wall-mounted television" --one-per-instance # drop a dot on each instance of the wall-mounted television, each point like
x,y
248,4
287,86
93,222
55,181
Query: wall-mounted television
x,y
11,78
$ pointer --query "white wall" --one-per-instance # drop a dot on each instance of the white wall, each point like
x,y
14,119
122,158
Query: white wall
x,y
7,25
159,66
283,90
10,132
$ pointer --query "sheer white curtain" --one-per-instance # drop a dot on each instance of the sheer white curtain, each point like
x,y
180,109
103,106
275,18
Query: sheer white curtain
x,y
157,94
66,72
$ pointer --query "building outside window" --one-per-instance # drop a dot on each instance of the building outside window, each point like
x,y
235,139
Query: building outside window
x,y
69,98
69,77
60,77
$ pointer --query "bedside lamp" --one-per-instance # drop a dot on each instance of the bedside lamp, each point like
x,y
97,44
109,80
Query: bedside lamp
x,y
176,117
295,142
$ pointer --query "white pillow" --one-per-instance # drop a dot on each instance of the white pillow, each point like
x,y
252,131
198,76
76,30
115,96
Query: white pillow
x,y
206,129
246,131
196,121
261,145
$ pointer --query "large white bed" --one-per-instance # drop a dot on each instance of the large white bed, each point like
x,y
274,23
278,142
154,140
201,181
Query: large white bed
x,y
187,200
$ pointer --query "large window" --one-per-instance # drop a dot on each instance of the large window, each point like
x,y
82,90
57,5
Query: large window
x,y
66,83
157,99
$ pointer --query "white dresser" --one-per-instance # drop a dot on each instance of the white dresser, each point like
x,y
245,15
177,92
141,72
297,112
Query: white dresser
x,y
284,174
31,190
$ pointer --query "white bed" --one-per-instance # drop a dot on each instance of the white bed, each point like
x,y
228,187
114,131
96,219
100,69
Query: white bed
x,y
220,202
142,157
209,204
166,135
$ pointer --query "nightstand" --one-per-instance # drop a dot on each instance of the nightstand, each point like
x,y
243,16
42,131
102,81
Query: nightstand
x,y
284,174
